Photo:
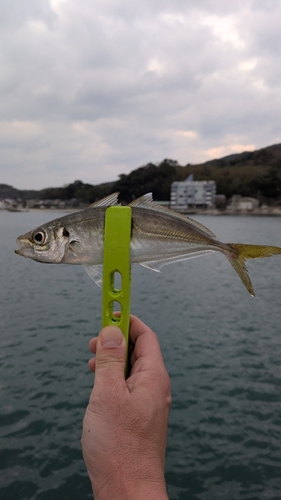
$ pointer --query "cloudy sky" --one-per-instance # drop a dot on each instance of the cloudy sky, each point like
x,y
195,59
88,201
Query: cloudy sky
x,y
91,89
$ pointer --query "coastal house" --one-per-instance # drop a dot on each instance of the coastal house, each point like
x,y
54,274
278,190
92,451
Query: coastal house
x,y
192,194
6,204
243,203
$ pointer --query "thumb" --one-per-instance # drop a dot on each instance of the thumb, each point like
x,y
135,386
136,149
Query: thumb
x,y
111,355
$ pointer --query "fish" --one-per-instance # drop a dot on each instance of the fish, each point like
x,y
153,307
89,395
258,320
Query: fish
x,y
159,236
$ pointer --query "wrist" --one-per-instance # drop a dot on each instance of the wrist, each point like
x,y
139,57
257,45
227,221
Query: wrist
x,y
130,489
142,492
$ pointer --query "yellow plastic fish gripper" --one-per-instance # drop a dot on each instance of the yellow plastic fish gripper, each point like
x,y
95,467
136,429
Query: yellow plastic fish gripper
x,y
116,290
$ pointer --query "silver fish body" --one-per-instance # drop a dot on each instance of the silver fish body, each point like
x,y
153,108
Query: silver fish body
x,y
159,237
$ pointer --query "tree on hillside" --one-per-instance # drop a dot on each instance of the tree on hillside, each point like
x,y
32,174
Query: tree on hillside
x,y
148,179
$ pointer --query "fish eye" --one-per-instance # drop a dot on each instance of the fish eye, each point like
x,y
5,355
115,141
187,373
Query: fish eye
x,y
39,237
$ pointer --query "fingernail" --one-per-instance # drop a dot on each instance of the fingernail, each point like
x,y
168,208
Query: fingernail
x,y
111,337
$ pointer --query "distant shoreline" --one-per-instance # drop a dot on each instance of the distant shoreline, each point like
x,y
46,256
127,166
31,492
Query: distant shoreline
x,y
265,212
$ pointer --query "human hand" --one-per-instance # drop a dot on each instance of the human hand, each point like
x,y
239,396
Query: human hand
x,y
125,424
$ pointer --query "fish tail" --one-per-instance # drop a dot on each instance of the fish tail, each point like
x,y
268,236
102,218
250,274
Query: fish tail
x,y
239,253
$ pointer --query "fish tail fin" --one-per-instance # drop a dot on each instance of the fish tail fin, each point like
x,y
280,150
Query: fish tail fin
x,y
240,253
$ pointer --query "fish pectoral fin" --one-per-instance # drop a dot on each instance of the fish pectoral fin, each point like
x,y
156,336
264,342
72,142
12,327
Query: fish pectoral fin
x,y
77,250
108,201
156,265
95,273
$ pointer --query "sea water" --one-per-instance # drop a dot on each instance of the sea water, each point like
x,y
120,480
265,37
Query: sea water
x,y
222,349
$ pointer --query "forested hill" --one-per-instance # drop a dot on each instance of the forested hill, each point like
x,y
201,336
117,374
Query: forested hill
x,y
256,174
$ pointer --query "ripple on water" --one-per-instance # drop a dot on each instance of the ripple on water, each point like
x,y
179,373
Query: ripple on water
x,y
221,347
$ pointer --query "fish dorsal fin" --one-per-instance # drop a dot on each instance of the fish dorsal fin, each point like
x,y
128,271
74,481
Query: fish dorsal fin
x,y
146,201
112,199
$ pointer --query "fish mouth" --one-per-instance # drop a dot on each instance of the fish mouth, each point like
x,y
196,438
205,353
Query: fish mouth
x,y
19,252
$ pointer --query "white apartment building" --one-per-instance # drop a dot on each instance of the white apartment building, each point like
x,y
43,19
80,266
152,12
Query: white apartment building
x,y
189,193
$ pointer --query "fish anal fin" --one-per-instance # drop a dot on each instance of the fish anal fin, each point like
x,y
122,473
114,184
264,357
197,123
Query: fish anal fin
x,y
153,266
156,265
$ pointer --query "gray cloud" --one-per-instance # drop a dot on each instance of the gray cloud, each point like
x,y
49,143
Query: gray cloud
x,y
93,89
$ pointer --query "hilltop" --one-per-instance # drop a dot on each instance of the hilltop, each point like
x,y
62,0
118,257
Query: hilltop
x,y
256,174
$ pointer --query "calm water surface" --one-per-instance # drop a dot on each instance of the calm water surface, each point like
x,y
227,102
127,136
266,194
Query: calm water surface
x,y
222,349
